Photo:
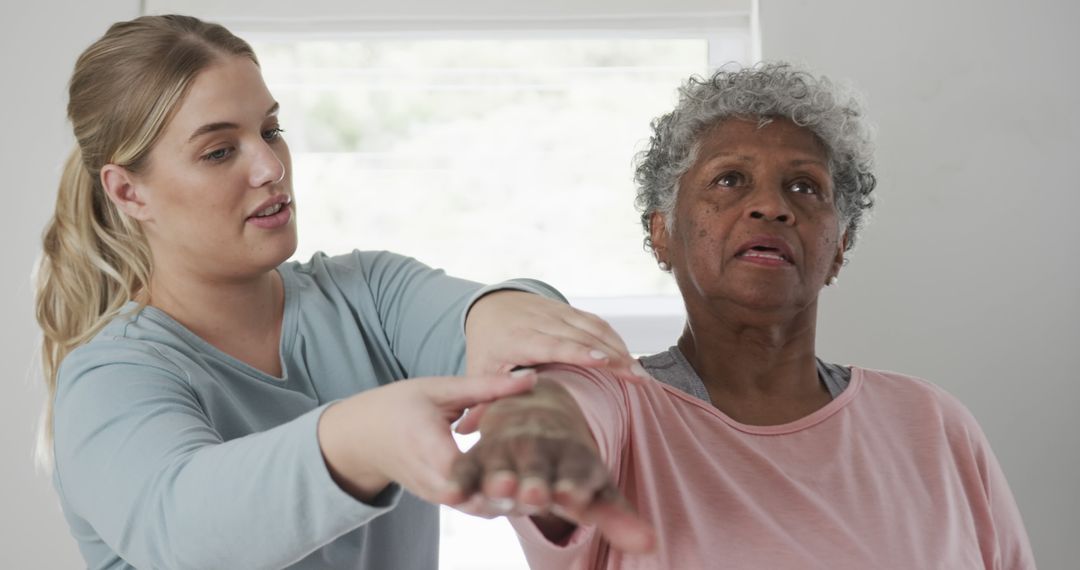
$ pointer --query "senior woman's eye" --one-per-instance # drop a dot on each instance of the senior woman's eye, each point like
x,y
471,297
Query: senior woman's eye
x,y
729,179
804,187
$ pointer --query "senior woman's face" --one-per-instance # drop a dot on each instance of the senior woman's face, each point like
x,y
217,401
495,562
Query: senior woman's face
x,y
755,220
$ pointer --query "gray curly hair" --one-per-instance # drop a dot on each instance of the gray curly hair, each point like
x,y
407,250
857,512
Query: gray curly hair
x,y
762,92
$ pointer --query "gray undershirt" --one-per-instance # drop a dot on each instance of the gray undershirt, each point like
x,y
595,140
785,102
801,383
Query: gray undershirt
x,y
672,368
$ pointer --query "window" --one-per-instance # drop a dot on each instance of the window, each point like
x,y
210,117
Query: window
x,y
491,139
490,158
490,145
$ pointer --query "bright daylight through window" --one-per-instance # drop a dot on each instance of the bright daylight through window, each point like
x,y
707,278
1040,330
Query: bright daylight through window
x,y
488,158
491,159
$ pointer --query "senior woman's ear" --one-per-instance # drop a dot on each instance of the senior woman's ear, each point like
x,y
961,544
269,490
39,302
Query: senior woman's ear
x,y
838,261
658,235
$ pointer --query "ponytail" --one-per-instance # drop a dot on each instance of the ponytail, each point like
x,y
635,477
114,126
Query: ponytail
x,y
95,259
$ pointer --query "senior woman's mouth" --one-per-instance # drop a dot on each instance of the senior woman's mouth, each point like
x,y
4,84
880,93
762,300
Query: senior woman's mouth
x,y
766,250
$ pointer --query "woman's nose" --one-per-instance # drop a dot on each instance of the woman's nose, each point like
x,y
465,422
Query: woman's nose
x,y
266,167
770,206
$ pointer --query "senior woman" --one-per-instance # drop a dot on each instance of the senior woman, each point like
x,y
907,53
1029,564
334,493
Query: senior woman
x,y
748,451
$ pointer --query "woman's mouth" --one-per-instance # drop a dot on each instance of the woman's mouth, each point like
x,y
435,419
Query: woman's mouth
x,y
764,253
269,211
274,216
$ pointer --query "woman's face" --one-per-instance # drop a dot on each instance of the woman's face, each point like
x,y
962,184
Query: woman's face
x,y
755,220
217,191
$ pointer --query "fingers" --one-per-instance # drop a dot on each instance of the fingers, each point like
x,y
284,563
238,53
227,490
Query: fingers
x,y
573,485
477,506
460,393
605,508
602,339
620,525
500,480
486,470
578,480
465,476
598,329
424,471
533,471
550,346
534,482
510,328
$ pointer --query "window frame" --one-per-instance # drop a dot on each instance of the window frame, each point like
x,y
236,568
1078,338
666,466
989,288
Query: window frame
x,y
647,324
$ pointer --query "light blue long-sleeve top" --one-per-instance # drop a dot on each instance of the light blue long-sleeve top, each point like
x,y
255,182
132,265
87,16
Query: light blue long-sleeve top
x,y
172,454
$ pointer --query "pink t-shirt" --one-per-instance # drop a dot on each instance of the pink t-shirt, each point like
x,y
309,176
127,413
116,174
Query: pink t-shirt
x,y
893,473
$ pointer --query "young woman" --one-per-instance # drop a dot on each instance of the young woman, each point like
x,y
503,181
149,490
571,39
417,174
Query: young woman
x,y
212,405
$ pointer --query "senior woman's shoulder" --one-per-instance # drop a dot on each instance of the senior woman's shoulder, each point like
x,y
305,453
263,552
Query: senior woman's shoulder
x,y
915,398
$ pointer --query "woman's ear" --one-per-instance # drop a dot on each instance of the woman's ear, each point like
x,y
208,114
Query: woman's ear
x,y
658,235
838,261
124,191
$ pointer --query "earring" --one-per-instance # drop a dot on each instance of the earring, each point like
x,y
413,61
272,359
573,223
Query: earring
x,y
832,280
663,265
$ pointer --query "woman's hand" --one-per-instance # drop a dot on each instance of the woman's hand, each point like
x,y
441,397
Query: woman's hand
x,y
537,457
401,432
507,329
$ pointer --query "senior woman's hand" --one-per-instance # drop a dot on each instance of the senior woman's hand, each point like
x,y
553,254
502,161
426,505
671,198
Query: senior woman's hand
x,y
537,457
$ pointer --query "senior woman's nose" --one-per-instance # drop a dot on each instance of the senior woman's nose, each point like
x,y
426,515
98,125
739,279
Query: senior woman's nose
x,y
770,206
763,216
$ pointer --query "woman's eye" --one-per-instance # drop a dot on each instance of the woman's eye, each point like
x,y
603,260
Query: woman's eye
x,y
218,155
273,134
728,179
803,187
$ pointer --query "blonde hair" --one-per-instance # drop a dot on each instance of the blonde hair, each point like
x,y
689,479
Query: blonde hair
x,y
124,90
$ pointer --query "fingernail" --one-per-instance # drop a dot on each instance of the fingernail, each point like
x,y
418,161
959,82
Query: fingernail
x,y
639,371
565,486
570,488
502,477
501,505
522,372
597,355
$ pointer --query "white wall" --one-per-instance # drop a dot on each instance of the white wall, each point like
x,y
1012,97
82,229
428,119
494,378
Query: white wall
x,y
969,273
967,276
39,42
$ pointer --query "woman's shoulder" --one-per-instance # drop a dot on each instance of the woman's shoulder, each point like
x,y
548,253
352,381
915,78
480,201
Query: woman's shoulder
x,y
354,276
902,383
356,261
131,338
917,398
